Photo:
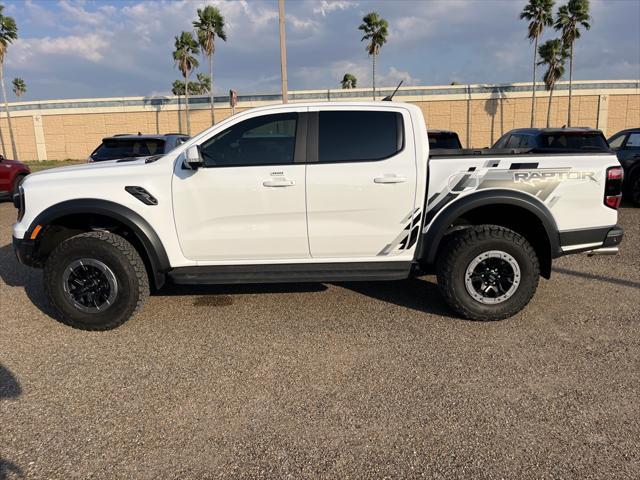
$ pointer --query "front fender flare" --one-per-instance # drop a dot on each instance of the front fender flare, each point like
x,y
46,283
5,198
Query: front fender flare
x,y
146,235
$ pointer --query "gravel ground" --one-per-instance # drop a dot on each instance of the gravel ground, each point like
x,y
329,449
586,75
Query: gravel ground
x,y
350,380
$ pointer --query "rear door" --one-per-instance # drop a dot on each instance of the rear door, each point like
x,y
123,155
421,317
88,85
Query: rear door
x,y
361,182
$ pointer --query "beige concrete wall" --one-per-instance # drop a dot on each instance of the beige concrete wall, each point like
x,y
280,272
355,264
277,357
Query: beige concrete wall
x,y
24,137
61,133
624,112
491,118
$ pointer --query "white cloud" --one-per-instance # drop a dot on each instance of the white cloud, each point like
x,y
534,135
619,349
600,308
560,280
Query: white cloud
x,y
394,76
328,6
90,47
76,11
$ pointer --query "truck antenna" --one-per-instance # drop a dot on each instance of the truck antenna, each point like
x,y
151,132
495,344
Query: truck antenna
x,y
389,98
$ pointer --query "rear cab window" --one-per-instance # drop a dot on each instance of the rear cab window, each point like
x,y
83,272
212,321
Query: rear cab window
x,y
359,136
444,140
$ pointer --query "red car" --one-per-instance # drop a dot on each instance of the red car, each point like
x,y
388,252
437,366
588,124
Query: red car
x,y
12,173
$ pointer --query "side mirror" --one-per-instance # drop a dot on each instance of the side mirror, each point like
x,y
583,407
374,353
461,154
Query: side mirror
x,y
193,158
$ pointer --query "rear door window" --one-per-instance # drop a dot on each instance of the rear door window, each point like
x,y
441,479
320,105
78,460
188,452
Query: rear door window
x,y
617,142
633,141
576,141
359,136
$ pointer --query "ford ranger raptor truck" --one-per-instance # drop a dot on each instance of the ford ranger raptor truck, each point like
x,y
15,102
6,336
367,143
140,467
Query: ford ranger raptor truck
x,y
316,192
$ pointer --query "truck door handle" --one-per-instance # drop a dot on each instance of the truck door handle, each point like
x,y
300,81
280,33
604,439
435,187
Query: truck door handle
x,y
283,182
390,179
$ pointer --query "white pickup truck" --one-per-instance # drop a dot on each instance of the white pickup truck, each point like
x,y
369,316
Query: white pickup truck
x,y
316,192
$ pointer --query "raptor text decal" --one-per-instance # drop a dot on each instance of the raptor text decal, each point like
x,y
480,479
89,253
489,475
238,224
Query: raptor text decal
x,y
534,177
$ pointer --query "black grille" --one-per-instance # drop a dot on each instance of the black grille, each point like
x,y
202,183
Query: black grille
x,y
18,202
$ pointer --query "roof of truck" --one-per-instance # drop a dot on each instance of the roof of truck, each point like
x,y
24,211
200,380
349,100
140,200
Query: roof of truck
x,y
555,130
144,135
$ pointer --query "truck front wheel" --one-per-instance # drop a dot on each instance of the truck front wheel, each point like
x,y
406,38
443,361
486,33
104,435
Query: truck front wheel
x,y
487,272
95,280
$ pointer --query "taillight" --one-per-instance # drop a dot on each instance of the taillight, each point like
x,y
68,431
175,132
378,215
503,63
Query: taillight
x,y
613,187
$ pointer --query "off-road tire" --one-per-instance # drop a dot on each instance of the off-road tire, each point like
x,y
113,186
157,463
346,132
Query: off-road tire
x,y
456,255
123,260
17,181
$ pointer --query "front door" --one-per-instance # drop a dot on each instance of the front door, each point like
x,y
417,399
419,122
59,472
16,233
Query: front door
x,y
247,203
361,187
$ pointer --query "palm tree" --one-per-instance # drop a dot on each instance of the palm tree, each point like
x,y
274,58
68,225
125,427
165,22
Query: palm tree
x,y
571,17
177,88
184,57
8,33
19,87
203,85
539,14
553,55
209,25
375,30
349,81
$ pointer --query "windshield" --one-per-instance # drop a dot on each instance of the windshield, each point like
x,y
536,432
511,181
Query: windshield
x,y
121,148
444,140
575,141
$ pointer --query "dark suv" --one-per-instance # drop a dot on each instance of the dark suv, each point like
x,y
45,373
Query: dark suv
x,y
128,146
626,144
555,140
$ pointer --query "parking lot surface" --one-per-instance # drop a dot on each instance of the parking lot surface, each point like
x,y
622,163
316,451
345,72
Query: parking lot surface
x,y
323,380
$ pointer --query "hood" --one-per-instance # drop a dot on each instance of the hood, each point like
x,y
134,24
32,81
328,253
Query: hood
x,y
6,161
84,175
91,168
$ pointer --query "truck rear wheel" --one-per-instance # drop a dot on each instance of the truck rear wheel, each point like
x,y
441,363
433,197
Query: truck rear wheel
x,y
95,280
487,272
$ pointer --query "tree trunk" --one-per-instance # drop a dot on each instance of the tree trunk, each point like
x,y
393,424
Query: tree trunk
x,y
213,114
549,107
186,102
6,106
570,84
374,76
179,115
533,95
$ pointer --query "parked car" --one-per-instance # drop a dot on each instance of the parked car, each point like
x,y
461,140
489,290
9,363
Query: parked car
x,y
626,144
443,140
315,192
12,173
555,140
131,146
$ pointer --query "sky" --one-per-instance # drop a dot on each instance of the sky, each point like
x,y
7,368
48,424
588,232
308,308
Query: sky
x,y
111,48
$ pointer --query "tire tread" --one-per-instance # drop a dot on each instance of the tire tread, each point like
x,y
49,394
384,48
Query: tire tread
x,y
124,248
462,241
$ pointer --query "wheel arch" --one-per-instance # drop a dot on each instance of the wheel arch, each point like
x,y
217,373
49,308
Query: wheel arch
x,y
508,208
95,214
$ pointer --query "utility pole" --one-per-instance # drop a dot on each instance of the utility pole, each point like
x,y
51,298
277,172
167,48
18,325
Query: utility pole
x,y
283,53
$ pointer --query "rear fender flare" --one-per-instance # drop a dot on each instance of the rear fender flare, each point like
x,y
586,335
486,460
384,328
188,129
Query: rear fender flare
x,y
433,235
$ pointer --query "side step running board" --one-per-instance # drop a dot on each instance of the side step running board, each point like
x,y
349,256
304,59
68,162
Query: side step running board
x,y
286,273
